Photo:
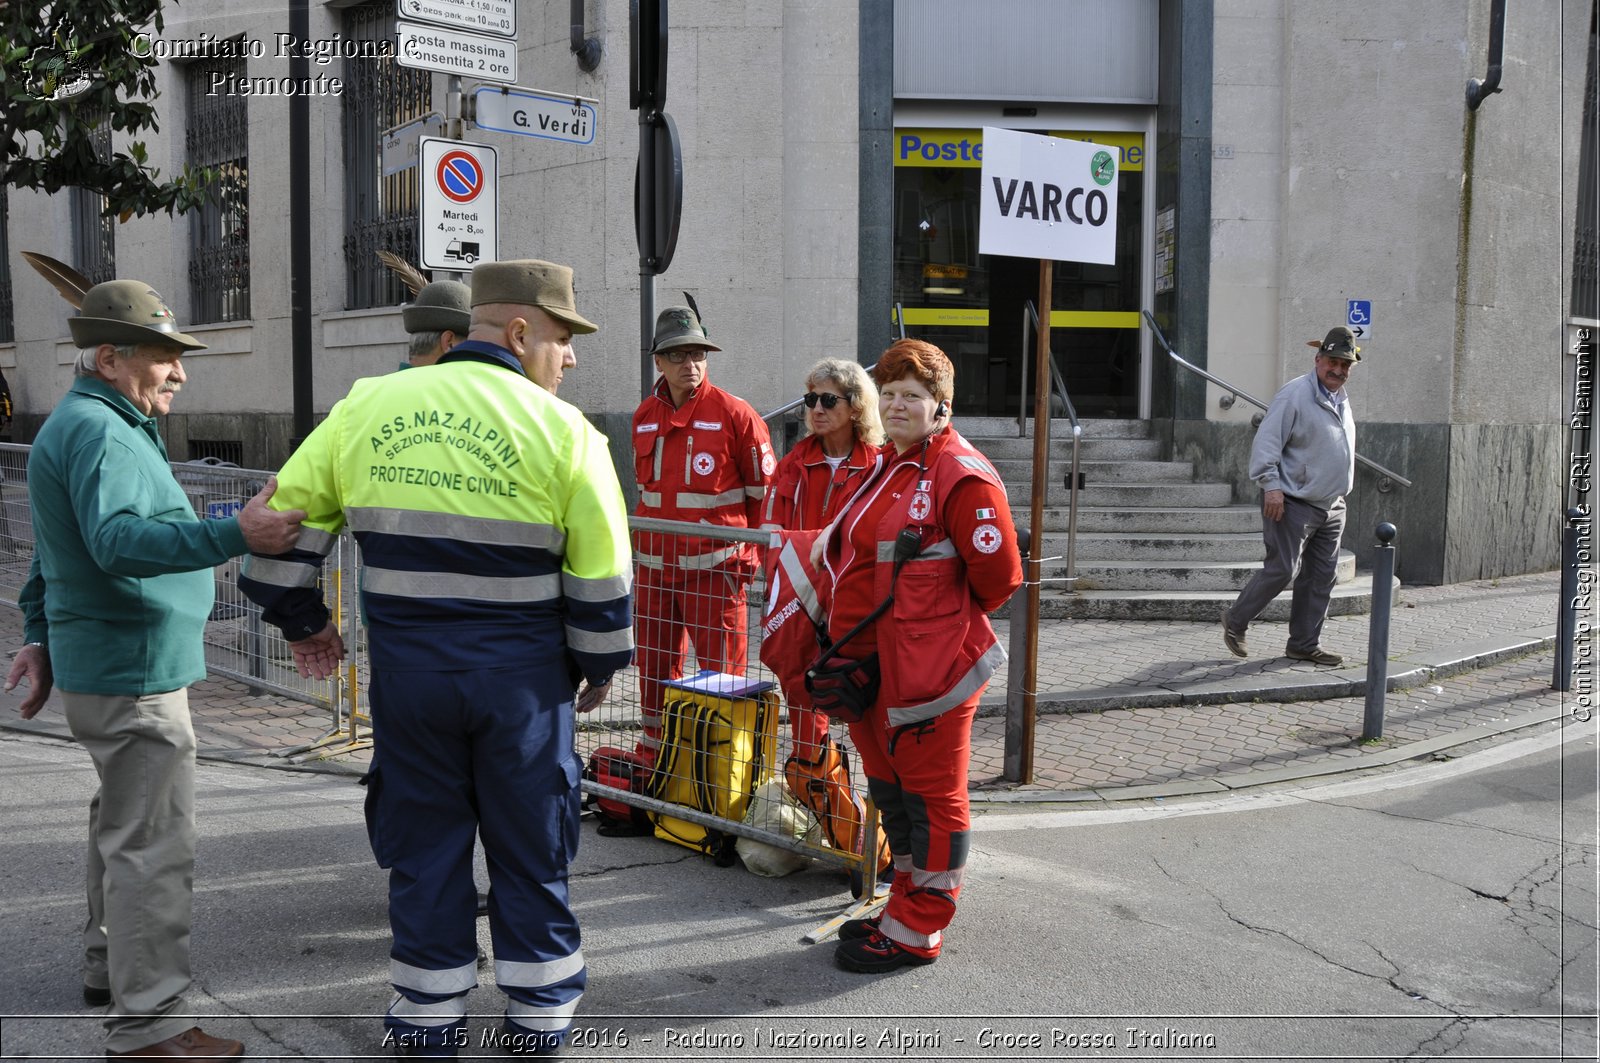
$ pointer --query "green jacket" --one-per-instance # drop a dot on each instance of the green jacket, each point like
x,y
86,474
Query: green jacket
x,y
121,583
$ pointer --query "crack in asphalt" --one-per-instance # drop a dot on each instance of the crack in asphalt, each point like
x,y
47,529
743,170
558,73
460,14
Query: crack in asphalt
x,y
1390,980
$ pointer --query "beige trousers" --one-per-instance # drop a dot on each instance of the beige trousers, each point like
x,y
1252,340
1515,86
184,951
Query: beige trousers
x,y
141,859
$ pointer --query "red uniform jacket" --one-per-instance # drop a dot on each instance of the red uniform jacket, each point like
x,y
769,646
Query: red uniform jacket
x,y
708,461
935,645
807,493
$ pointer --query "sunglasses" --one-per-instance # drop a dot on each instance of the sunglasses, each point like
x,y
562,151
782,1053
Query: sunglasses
x,y
680,355
828,399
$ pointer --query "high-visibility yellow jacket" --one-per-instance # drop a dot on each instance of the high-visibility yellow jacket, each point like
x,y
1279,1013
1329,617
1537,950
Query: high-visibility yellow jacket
x,y
492,527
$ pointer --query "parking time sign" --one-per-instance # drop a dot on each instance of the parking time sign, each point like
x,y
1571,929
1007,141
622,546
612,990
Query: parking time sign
x,y
458,213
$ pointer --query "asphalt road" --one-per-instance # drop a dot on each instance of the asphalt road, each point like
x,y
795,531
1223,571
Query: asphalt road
x,y
1444,910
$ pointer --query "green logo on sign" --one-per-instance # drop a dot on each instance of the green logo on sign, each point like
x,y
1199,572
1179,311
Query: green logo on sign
x,y
1103,167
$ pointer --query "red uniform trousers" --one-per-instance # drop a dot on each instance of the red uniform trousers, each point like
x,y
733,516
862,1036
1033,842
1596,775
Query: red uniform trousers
x,y
917,775
708,609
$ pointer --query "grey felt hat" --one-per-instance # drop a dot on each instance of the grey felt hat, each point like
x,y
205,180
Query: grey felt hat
x,y
439,306
679,326
127,312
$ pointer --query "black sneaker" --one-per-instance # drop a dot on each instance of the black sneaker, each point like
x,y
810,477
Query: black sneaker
x,y
877,954
96,996
857,929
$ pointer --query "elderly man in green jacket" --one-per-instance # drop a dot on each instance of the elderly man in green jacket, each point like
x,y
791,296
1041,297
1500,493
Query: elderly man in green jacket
x,y
113,613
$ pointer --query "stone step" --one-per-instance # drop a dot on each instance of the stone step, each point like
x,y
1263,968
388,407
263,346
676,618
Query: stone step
x,y
1158,549
1140,495
975,428
1155,520
1215,520
1350,598
1100,472
1014,449
1174,576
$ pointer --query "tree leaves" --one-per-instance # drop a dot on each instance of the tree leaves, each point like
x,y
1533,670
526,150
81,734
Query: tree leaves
x,y
69,67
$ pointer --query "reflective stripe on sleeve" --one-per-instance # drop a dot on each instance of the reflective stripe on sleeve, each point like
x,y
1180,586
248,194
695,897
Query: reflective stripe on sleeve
x,y
757,493
315,541
276,573
607,589
582,641
650,498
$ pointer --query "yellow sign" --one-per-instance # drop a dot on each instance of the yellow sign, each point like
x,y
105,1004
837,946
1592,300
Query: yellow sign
x,y
975,317
964,147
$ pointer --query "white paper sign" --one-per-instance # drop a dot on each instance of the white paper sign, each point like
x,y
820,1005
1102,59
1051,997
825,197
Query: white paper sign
x,y
1048,197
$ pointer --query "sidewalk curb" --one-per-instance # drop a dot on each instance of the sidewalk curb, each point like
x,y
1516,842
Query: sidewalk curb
x,y
1404,674
1218,784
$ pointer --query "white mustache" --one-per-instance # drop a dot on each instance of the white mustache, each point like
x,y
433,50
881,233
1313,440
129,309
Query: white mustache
x,y
172,388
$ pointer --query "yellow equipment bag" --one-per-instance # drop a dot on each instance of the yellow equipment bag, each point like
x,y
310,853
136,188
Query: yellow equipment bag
x,y
719,742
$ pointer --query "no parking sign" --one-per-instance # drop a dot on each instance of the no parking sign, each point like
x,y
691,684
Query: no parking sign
x,y
458,209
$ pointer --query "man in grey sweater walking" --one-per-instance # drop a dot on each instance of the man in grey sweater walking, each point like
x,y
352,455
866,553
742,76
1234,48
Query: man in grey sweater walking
x,y
1304,458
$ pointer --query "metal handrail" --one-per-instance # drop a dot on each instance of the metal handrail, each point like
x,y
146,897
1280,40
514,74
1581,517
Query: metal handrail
x,y
899,316
1251,399
1030,314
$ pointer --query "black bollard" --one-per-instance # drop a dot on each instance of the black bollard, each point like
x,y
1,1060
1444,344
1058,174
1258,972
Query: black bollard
x,y
1567,607
1013,768
1378,633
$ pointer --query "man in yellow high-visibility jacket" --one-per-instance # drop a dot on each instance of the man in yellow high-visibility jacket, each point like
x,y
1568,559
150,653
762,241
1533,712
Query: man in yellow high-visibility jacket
x,y
496,575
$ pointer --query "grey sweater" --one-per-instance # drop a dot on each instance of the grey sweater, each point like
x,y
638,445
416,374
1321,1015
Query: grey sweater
x,y
1305,447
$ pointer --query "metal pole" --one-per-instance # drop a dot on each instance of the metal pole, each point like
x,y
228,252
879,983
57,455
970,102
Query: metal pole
x,y
1017,636
1033,572
455,127
1567,607
1378,633
301,357
646,200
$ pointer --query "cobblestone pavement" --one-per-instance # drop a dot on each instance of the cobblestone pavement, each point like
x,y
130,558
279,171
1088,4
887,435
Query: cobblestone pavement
x,y
1134,708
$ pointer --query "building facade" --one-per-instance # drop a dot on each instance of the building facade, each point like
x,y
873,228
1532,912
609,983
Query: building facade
x,y
1277,160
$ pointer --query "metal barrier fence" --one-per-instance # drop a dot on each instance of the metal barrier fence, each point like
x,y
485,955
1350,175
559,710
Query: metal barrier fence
x,y
239,645
686,623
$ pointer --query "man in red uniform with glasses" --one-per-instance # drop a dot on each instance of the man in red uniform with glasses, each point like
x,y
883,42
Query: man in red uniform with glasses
x,y
704,456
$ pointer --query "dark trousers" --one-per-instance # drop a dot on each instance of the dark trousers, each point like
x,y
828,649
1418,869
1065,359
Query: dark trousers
x,y
1302,548
487,753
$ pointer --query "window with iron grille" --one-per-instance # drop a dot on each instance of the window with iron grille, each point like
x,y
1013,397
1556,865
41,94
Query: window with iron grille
x,y
219,231
228,450
94,233
380,211
8,330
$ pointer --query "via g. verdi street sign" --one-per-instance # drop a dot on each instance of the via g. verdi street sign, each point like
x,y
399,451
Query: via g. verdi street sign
x,y
1048,198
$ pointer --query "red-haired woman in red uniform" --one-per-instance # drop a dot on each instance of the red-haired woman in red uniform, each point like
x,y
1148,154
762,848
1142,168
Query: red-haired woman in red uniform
x,y
938,505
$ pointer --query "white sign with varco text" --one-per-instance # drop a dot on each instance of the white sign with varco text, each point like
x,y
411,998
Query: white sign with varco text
x,y
1048,197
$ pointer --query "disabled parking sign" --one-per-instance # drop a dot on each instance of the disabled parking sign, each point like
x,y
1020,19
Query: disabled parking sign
x,y
1358,316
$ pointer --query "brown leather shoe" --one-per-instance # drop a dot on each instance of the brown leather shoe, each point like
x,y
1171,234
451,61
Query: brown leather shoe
x,y
193,1043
